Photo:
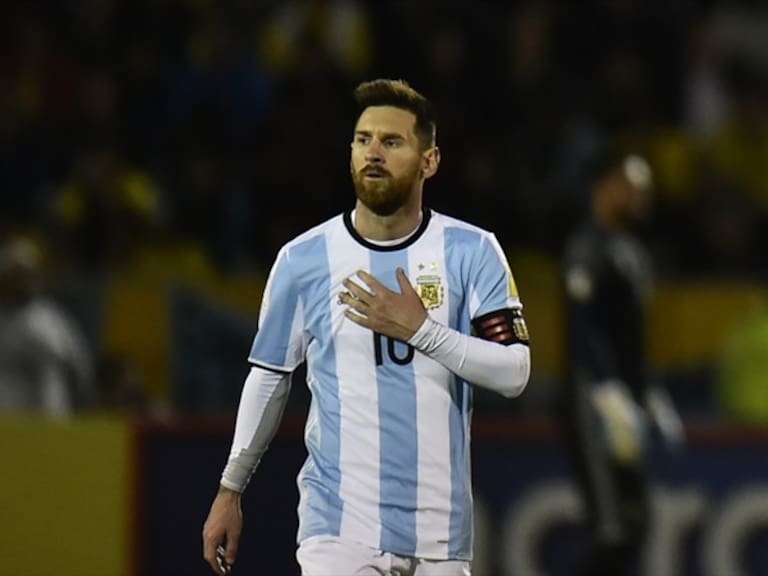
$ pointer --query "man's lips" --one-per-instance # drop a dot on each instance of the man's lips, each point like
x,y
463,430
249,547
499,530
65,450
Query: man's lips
x,y
375,173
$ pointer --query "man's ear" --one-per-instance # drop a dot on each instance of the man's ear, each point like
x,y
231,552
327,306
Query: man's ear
x,y
430,162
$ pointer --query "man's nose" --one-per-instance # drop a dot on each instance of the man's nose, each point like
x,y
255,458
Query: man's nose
x,y
374,152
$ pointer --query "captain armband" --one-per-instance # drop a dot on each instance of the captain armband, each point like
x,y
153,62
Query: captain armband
x,y
503,326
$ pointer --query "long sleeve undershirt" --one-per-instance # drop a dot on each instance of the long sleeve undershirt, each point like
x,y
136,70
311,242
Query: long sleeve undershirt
x,y
503,369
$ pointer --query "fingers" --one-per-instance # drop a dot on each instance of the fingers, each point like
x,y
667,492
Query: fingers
x,y
402,280
359,293
358,319
223,525
211,540
209,553
364,305
220,559
233,541
224,566
359,307
371,282
375,286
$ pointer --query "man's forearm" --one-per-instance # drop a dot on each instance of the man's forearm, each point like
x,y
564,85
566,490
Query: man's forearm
x,y
228,492
503,369
262,402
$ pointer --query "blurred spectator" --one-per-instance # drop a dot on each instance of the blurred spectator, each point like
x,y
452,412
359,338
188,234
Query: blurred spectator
x,y
446,57
45,363
194,137
723,234
705,99
739,148
720,229
219,99
105,214
738,28
219,92
301,182
533,112
340,28
39,92
213,212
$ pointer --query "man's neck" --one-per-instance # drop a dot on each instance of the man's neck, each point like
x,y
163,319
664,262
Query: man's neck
x,y
376,227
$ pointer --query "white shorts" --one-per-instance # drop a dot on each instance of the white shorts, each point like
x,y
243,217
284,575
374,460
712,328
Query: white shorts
x,y
332,556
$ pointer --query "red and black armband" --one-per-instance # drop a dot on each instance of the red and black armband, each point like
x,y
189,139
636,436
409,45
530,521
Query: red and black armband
x,y
503,326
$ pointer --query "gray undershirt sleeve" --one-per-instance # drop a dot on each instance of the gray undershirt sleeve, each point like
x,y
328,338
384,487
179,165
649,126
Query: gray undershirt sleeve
x,y
265,394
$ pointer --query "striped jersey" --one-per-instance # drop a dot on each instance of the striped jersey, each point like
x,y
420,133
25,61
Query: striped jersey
x,y
388,429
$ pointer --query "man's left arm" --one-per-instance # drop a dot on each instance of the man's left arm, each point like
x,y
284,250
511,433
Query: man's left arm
x,y
499,359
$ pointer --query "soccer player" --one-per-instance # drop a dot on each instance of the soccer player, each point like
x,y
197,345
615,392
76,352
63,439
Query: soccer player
x,y
608,397
398,311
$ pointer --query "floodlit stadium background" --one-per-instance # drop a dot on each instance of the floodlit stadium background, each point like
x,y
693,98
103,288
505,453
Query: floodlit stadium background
x,y
158,152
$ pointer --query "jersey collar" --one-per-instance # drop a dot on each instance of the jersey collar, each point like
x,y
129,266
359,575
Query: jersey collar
x,y
425,218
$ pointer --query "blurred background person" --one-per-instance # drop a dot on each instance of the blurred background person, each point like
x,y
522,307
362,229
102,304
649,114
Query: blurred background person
x,y
45,363
608,281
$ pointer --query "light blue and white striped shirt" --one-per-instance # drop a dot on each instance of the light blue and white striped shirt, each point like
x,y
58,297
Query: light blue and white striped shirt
x,y
388,431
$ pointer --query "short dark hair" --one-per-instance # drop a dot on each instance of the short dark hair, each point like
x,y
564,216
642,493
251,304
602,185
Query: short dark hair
x,y
612,157
606,158
399,94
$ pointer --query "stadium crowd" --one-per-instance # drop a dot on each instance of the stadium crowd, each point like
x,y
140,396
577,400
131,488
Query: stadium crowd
x,y
195,137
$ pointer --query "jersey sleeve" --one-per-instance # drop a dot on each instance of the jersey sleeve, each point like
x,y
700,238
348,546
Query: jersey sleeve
x,y
492,286
494,302
279,343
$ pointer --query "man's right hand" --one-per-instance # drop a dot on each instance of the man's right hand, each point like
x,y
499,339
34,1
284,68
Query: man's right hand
x,y
223,527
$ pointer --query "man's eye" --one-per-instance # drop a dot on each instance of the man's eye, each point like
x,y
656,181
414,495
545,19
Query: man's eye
x,y
392,143
363,140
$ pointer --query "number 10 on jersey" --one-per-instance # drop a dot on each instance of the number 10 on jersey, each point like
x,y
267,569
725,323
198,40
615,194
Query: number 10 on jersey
x,y
397,351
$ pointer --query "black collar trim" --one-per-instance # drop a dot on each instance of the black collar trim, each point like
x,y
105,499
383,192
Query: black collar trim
x,y
426,216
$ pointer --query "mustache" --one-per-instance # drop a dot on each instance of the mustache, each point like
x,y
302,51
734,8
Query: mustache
x,y
373,169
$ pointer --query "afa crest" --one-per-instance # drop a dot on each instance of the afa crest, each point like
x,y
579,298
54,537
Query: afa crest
x,y
520,329
430,290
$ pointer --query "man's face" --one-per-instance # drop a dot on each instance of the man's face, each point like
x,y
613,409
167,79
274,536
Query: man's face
x,y
386,161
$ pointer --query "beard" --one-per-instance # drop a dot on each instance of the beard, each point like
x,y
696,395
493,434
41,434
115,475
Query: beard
x,y
386,195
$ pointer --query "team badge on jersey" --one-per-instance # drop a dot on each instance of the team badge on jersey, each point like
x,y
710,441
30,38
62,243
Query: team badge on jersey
x,y
430,290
